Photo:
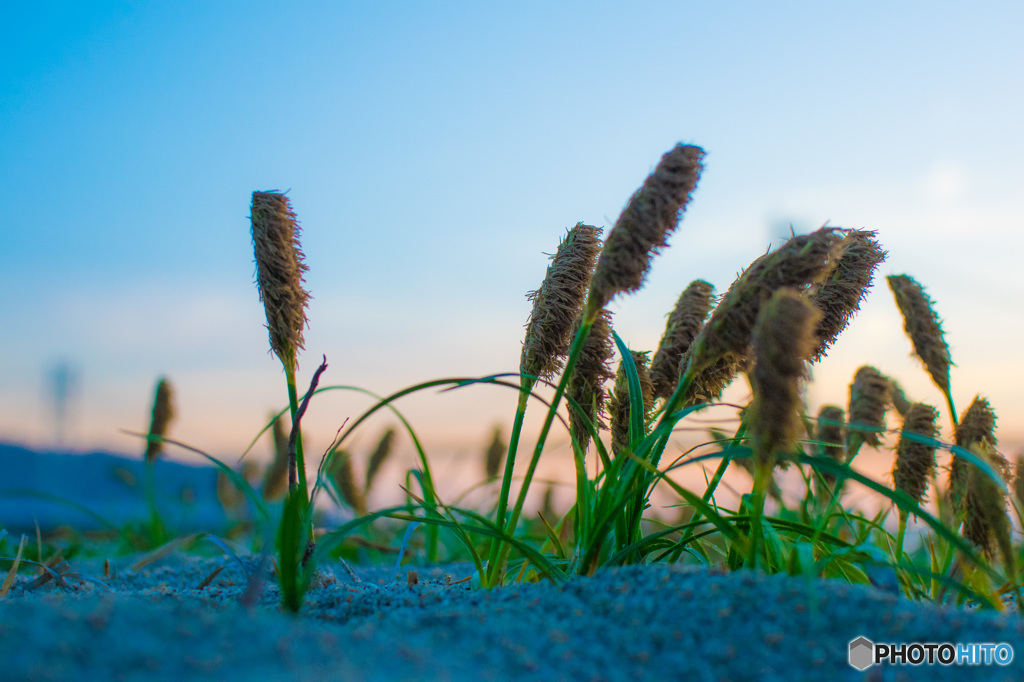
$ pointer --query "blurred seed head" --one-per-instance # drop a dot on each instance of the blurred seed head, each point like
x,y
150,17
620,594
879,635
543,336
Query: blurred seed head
x,y
549,331
642,230
380,455
840,294
830,435
275,479
986,523
586,383
977,425
783,340
915,461
341,473
163,413
279,273
684,323
924,328
869,398
619,406
899,398
495,454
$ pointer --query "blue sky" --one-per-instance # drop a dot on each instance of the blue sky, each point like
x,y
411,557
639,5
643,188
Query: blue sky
x,y
435,151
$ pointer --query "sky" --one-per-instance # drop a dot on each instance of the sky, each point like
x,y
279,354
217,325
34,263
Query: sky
x,y
435,152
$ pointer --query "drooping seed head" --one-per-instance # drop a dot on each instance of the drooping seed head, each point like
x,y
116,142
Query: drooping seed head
x,y
924,328
977,425
279,273
549,331
709,383
619,405
869,398
840,294
915,461
642,230
275,479
586,383
783,341
684,323
985,520
830,436
494,455
379,456
803,260
163,413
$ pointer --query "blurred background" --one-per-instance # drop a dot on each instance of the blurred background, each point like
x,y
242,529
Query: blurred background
x,y
434,153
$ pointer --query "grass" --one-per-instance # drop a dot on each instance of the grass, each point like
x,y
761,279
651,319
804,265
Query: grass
x,y
779,317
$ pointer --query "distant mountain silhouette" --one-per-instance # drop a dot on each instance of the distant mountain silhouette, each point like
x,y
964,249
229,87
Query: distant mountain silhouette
x,y
110,486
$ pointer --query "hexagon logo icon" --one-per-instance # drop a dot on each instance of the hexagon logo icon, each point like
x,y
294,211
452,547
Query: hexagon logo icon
x,y
862,653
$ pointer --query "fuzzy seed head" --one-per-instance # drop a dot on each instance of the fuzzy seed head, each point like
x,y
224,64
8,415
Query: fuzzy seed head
x,y
642,230
709,383
802,261
899,398
549,331
275,479
869,398
783,340
684,323
344,479
839,296
924,328
977,426
830,436
494,455
279,273
163,413
586,383
985,520
619,406
915,461
379,456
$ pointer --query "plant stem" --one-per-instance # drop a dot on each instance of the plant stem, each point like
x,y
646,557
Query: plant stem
x,y
900,535
952,410
526,384
298,465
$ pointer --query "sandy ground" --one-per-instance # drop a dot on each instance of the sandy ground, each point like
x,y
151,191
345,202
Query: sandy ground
x,y
650,622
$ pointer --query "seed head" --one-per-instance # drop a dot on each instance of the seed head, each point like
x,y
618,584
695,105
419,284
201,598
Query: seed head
x,y
496,451
830,438
783,340
977,425
709,383
899,398
586,383
340,471
923,327
549,331
163,413
1018,479
379,456
915,461
839,296
683,325
619,406
801,261
985,517
279,273
275,480
869,398
651,215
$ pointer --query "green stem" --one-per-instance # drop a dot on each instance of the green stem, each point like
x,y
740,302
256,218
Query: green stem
x,y
506,480
900,535
952,410
762,474
293,405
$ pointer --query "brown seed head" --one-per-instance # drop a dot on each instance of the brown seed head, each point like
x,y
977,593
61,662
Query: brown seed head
x,y
783,340
709,383
869,398
163,413
915,461
496,452
985,518
279,273
586,384
839,296
340,471
275,480
642,230
830,437
801,261
899,398
1018,479
619,406
684,323
977,425
379,456
549,331
923,327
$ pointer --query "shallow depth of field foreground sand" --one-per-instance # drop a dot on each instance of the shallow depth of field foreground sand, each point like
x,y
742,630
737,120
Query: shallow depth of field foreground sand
x,y
645,622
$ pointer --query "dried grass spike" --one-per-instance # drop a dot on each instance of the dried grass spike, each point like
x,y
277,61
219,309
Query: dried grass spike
x,y
619,406
923,327
586,384
163,413
977,426
642,230
495,454
379,456
783,340
839,296
830,435
549,331
985,518
899,398
684,323
915,461
279,273
275,479
344,479
869,399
